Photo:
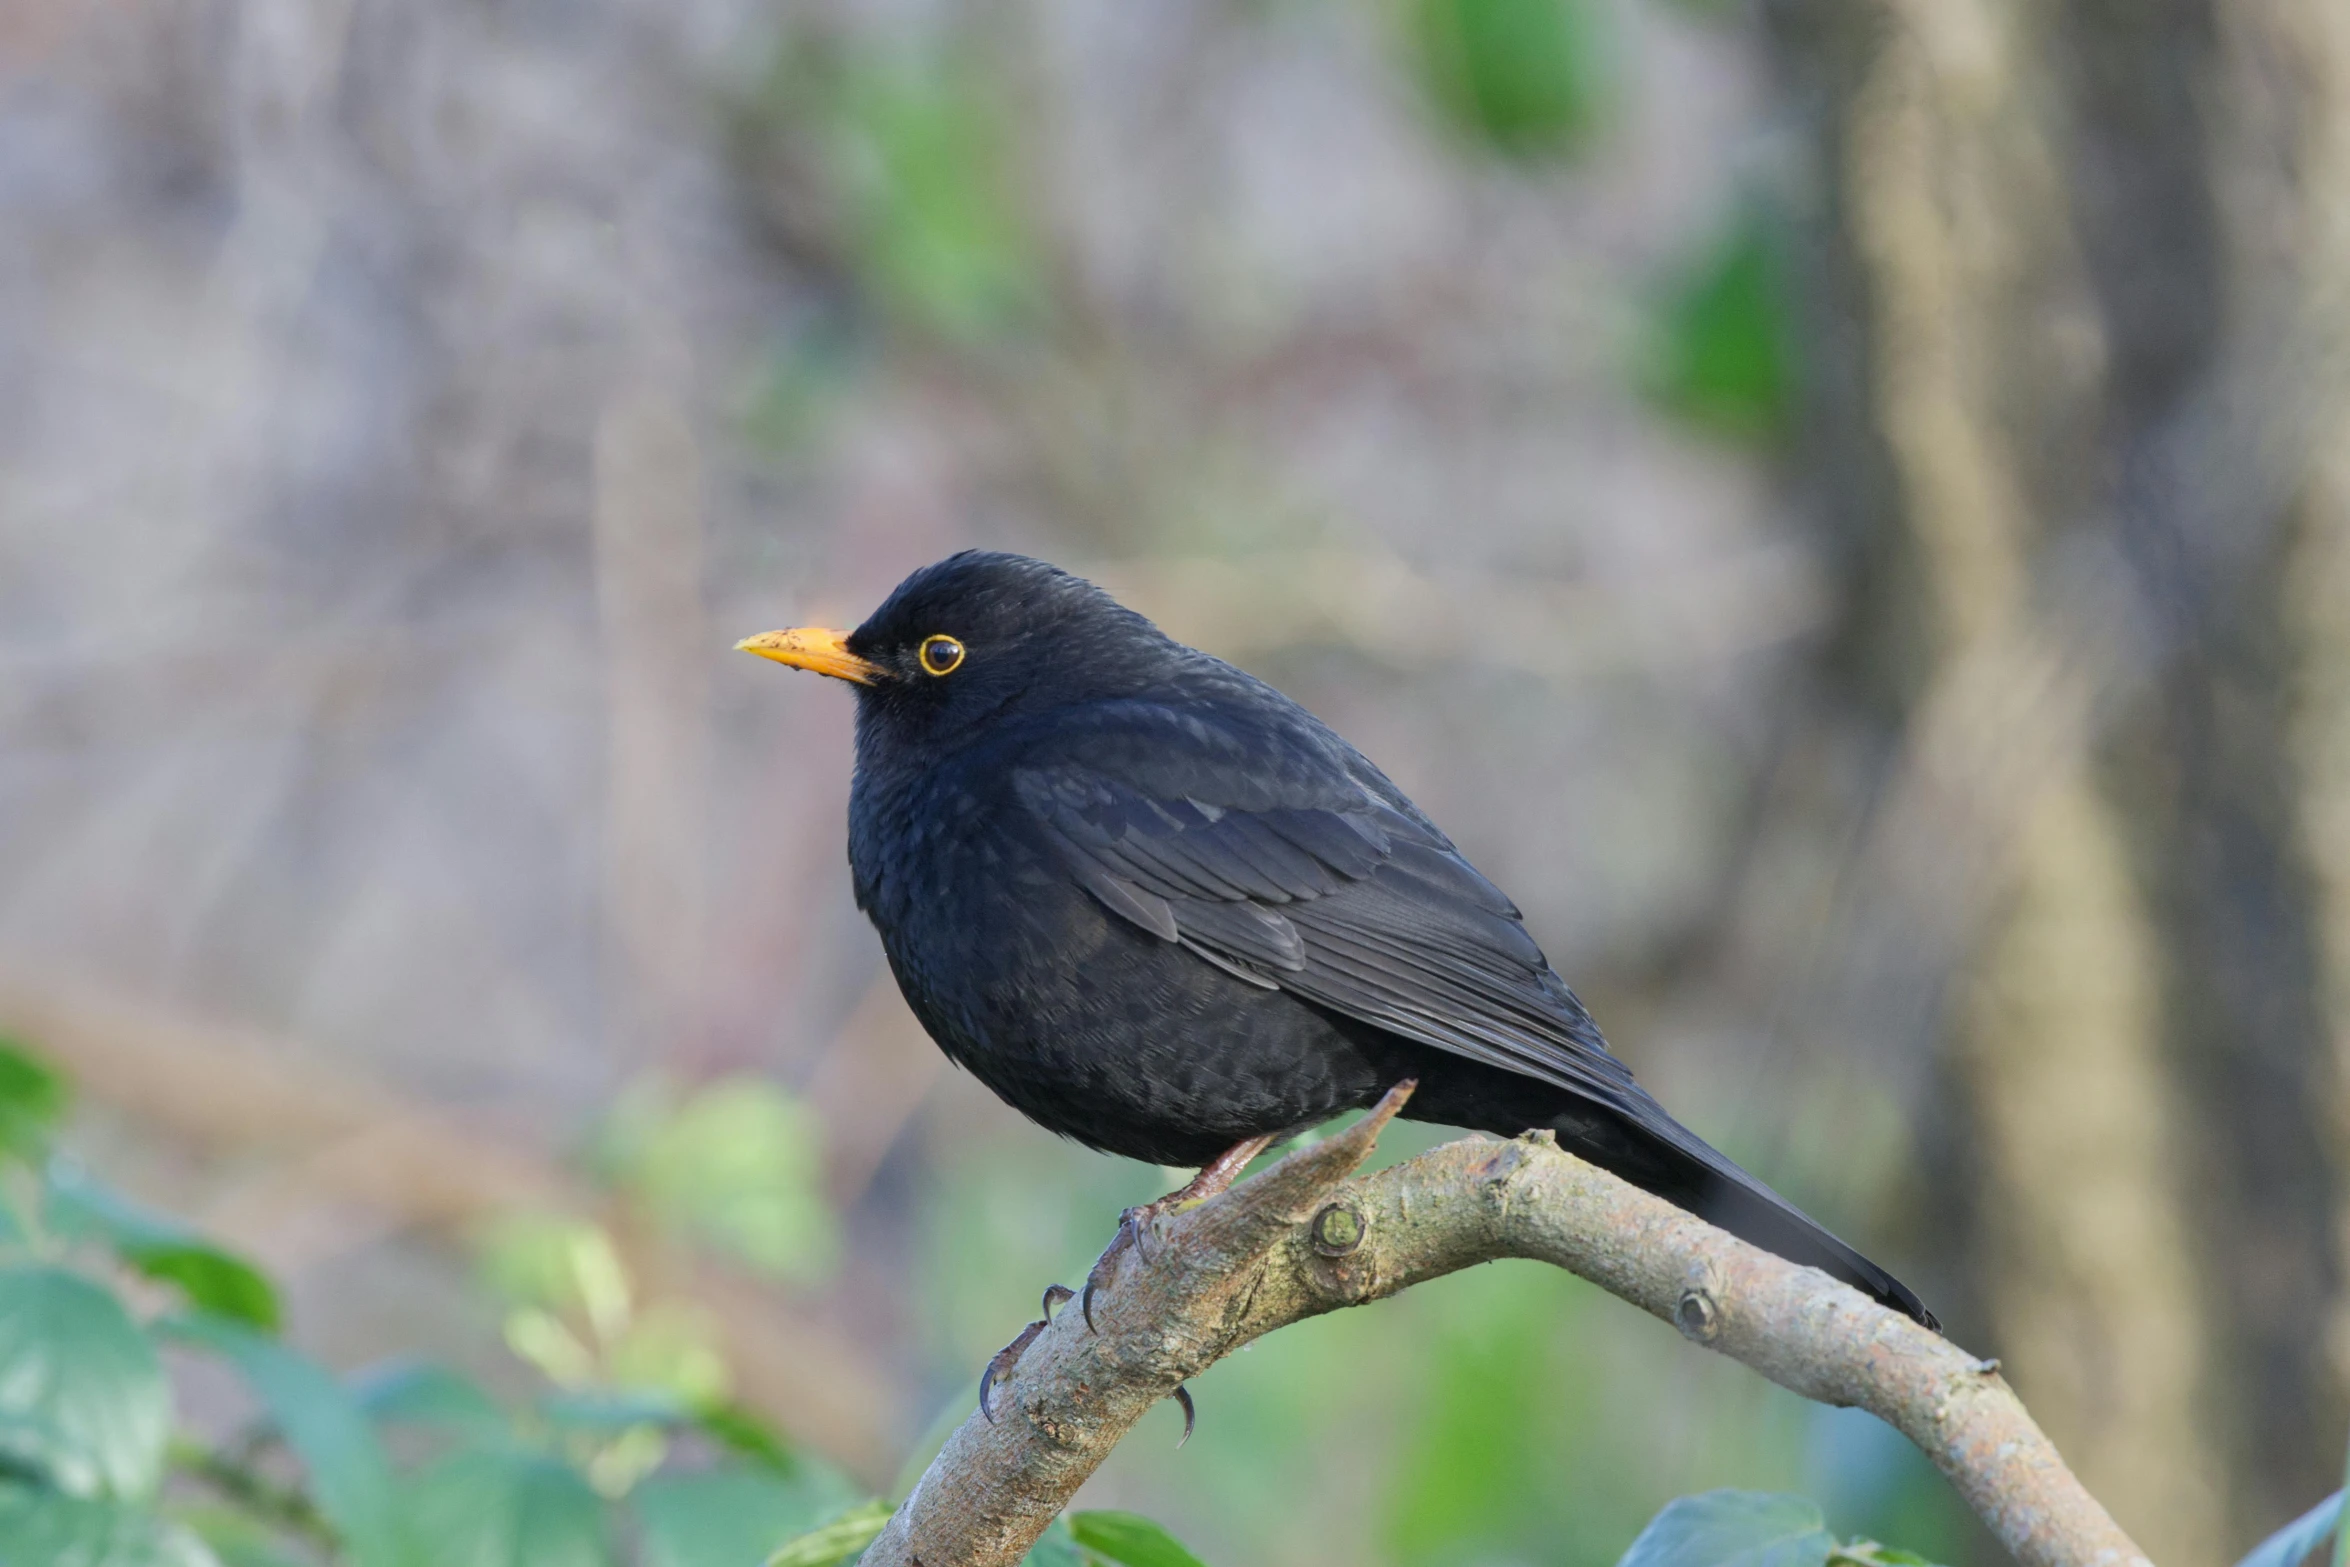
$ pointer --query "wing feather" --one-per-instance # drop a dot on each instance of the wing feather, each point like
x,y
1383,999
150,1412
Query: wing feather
x,y
1348,899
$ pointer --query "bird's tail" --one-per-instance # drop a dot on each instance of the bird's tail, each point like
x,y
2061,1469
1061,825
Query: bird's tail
x,y
1658,1154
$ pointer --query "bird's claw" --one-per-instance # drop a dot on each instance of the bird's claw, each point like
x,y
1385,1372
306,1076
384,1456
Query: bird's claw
x,y
1214,1179
1130,1234
1182,1395
1001,1367
1009,1356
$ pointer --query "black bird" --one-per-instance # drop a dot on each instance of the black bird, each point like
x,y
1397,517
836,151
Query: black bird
x,y
1160,908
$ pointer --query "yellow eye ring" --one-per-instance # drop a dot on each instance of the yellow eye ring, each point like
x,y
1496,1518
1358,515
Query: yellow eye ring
x,y
940,655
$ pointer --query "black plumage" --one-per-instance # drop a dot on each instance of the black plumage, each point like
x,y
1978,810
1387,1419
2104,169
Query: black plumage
x,y
1158,907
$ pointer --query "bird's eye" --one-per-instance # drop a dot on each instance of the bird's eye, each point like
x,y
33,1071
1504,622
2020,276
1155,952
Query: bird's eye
x,y
940,655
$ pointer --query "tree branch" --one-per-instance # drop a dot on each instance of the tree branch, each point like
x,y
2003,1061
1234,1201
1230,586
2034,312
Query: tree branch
x,y
1307,1236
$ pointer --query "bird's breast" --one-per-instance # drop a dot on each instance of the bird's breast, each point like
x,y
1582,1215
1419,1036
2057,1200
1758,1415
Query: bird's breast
x,y
1086,1024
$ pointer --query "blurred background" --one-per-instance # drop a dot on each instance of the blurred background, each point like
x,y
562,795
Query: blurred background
x,y
1842,507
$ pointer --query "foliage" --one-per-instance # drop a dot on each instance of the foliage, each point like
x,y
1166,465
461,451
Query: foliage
x,y
1080,1539
840,1538
593,1472
633,1455
2299,1541
737,1164
1128,1538
315,1417
1723,353
39,1527
87,1409
32,1098
1752,1529
904,172
163,1250
1758,1529
927,154
1519,77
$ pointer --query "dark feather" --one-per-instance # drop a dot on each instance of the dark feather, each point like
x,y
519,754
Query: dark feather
x,y
1350,904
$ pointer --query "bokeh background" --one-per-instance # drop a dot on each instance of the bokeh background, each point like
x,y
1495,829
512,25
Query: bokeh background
x,y
1841,506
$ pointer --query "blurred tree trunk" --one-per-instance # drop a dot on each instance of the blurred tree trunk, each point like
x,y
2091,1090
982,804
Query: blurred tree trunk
x,y
2304,48
1983,378
2070,255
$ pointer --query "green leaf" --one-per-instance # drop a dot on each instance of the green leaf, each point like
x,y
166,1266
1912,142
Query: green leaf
x,y
744,1434
212,1279
1725,338
616,1409
2342,1522
739,1164
239,1538
1733,1529
83,1401
1521,76
1868,1553
1129,1538
929,157
44,1529
322,1423
840,1539
717,1518
501,1507
563,1264
33,1098
1056,1547
2297,1541
422,1394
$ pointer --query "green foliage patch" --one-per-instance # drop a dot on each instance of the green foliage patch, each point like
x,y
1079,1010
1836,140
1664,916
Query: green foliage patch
x,y
1079,1539
32,1101
1723,353
738,1164
83,1404
1521,78
594,1472
169,1253
1751,1529
2299,1542
49,1529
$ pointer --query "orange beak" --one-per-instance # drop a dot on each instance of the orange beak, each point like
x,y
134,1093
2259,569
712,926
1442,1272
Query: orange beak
x,y
813,647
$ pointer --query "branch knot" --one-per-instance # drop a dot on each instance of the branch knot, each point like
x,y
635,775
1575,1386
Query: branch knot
x,y
1698,1313
1338,1229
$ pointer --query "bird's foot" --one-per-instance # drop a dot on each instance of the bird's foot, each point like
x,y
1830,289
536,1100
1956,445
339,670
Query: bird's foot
x,y
1213,1180
1009,1356
1129,1234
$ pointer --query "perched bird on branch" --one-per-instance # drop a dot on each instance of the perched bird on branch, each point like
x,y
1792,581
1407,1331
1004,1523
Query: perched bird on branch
x,y
1160,908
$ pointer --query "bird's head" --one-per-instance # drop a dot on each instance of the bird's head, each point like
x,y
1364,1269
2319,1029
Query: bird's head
x,y
975,638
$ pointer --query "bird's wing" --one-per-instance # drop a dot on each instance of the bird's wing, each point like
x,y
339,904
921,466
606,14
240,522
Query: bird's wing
x,y
1277,860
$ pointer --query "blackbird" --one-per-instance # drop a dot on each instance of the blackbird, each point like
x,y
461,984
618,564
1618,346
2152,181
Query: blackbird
x,y
1160,908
